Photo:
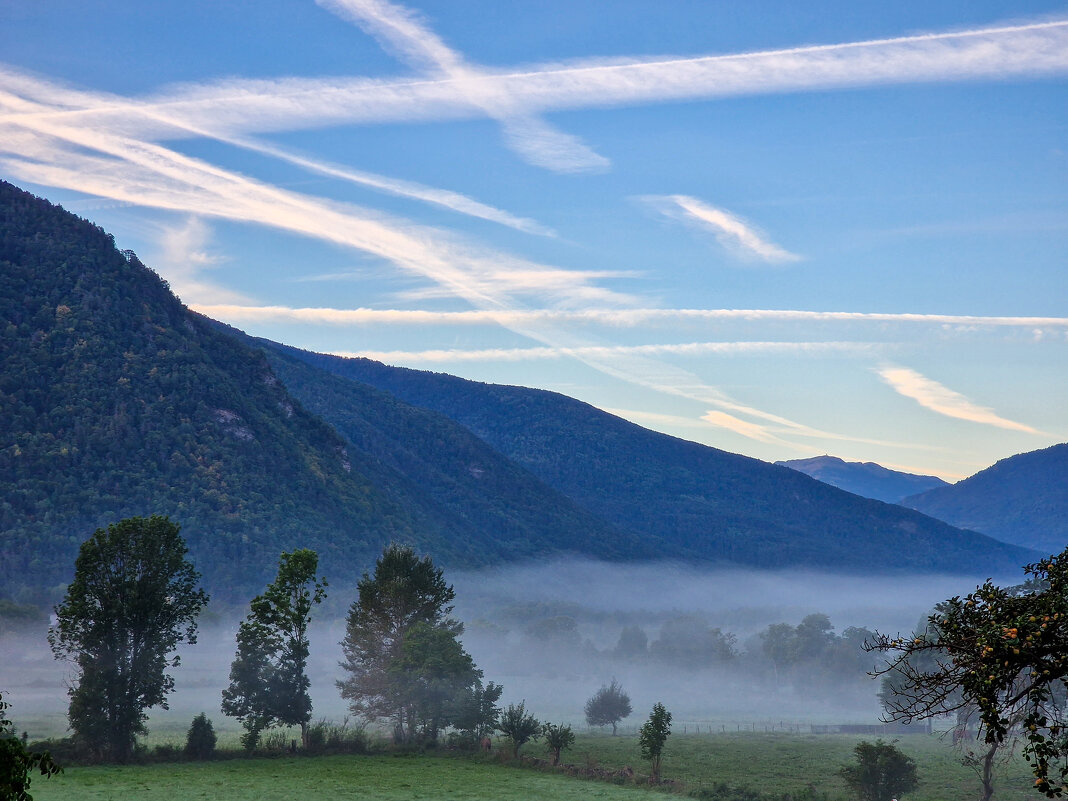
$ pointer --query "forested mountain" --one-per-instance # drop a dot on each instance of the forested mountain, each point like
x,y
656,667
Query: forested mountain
x,y
867,479
699,502
115,400
1022,499
451,481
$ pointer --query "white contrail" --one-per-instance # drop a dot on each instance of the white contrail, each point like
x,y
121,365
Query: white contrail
x,y
609,317
401,31
244,105
592,351
938,398
44,94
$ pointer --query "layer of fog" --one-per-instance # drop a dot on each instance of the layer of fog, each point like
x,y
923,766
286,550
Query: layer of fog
x,y
502,610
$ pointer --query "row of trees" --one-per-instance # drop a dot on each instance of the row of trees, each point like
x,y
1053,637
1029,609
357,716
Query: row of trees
x,y
134,599
1001,653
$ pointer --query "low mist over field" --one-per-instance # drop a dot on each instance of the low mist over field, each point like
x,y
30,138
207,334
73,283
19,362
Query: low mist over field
x,y
551,634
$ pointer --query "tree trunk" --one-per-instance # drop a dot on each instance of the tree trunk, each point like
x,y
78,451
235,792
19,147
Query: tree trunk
x,y
988,772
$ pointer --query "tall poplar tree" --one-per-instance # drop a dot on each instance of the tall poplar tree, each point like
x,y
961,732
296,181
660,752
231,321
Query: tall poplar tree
x,y
268,678
133,599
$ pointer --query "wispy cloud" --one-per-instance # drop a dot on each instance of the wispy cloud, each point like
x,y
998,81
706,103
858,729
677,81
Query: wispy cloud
x,y
602,351
37,94
406,35
619,317
746,428
932,395
731,231
50,152
238,105
184,254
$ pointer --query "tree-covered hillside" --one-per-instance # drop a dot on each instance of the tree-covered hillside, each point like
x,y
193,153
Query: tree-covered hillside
x,y
699,502
1022,499
451,481
116,401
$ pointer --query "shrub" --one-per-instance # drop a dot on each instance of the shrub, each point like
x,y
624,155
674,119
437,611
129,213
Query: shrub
x,y
200,741
881,772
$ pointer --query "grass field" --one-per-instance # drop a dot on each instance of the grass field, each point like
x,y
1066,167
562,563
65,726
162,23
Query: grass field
x,y
780,763
374,778
772,764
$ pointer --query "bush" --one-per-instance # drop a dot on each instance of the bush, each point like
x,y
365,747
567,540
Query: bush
x,y
324,735
167,752
880,772
200,741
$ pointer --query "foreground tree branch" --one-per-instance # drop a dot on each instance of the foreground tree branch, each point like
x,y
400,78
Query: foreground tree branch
x,y
1002,652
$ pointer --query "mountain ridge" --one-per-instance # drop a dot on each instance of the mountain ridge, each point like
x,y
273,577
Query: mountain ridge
x,y
866,479
1022,499
699,501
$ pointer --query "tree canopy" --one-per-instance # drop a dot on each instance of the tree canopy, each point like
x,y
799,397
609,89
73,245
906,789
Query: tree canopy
x,y
608,706
653,735
519,726
268,681
401,648
880,772
17,763
133,599
1002,652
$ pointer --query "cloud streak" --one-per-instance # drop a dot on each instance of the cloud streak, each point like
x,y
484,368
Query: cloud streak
x,y
242,105
602,351
938,398
731,231
401,31
625,317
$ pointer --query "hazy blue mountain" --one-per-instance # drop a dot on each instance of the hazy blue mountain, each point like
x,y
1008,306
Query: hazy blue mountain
x,y
699,502
1022,499
864,478
115,400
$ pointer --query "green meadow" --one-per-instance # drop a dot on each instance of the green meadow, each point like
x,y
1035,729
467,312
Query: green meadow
x,y
768,766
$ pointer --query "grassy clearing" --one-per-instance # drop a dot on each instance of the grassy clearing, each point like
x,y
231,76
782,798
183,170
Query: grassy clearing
x,y
377,778
771,764
790,763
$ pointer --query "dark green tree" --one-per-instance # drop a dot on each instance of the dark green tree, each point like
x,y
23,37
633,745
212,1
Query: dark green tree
x,y
653,735
518,726
879,772
200,739
432,673
17,763
268,677
1003,652
608,706
557,737
402,654
133,599
476,711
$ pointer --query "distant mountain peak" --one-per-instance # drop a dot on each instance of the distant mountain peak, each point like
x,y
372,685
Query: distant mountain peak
x,y
867,479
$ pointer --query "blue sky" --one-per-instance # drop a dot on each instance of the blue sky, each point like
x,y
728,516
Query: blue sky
x,y
781,229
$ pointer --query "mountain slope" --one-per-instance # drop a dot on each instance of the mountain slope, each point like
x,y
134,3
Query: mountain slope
x,y
866,479
1022,499
702,503
115,400
451,480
